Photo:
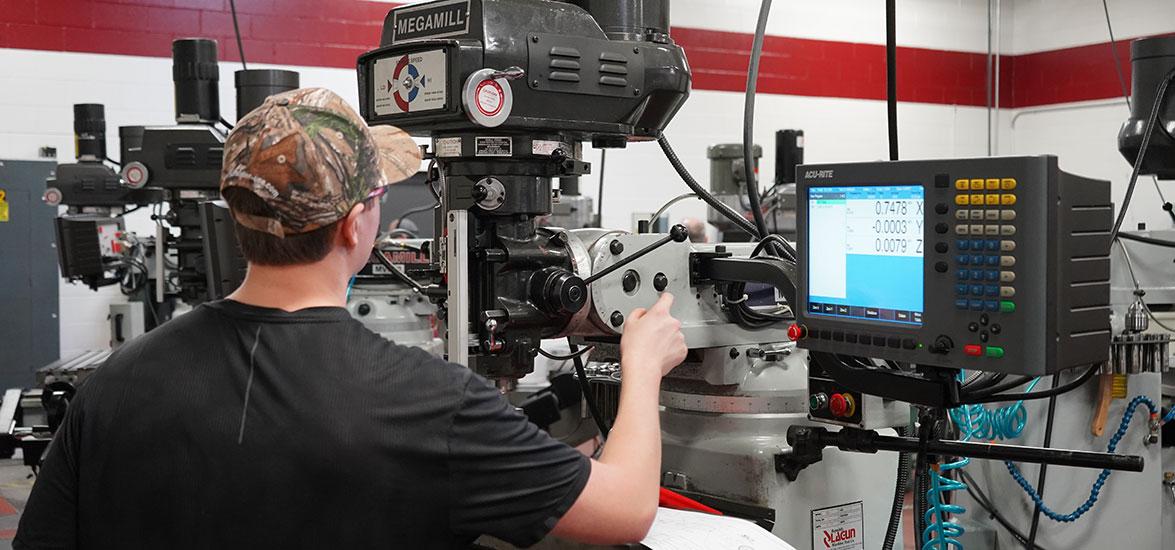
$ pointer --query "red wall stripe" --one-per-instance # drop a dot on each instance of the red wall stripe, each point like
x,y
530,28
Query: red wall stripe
x,y
332,33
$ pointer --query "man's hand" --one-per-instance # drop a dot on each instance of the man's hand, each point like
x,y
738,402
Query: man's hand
x,y
653,339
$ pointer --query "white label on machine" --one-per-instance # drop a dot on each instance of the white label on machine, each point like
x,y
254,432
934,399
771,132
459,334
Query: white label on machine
x,y
410,83
448,147
545,147
839,527
493,147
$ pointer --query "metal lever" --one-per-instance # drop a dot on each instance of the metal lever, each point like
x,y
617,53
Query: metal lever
x,y
677,233
511,73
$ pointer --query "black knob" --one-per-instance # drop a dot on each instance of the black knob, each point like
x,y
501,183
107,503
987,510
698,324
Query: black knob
x,y
679,233
660,281
363,309
617,319
942,345
941,228
941,267
562,291
615,247
630,280
941,208
941,248
479,192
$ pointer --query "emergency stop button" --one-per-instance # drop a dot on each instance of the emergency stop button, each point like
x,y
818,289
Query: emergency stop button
x,y
842,405
796,331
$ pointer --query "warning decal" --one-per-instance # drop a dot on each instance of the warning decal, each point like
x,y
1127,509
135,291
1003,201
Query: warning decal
x,y
839,527
410,83
3,206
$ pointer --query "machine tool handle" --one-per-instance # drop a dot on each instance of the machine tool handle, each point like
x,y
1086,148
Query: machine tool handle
x,y
677,234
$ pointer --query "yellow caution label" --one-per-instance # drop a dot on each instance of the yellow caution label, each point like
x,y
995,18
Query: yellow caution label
x,y
3,206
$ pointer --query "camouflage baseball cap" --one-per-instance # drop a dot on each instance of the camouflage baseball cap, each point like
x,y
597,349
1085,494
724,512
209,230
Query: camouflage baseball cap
x,y
311,158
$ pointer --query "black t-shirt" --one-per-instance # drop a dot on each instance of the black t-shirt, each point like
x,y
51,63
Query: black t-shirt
x,y
235,426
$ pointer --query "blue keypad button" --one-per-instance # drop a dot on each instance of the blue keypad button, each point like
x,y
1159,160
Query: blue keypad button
x,y
963,259
976,244
991,290
961,304
977,275
963,244
976,290
990,305
961,290
991,275
964,274
992,245
977,305
992,261
976,260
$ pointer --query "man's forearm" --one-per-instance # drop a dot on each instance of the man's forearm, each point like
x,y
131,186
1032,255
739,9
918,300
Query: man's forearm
x,y
634,444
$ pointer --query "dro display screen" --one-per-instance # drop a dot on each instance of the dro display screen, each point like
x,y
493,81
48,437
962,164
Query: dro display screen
x,y
865,253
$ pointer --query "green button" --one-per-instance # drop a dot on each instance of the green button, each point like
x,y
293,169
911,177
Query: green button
x,y
1007,306
993,351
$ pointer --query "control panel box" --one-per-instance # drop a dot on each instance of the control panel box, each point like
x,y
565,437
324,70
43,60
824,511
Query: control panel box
x,y
992,264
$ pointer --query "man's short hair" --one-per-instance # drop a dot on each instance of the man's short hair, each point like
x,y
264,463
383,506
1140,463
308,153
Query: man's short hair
x,y
262,248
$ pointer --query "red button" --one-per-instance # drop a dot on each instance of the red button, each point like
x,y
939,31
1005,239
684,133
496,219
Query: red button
x,y
795,332
974,351
837,404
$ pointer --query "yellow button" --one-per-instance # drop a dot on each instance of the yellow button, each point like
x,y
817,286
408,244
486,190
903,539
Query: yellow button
x,y
962,200
976,185
1008,184
992,199
976,200
992,184
1007,199
962,185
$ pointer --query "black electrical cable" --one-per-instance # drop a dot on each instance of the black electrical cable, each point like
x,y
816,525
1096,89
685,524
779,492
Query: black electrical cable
x,y
568,357
414,210
984,502
704,193
899,498
600,190
581,374
1048,441
1147,240
750,177
891,78
114,162
1160,98
226,123
1085,377
997,388
232,4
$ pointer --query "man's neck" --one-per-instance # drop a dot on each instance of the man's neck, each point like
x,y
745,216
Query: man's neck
x,y
291,288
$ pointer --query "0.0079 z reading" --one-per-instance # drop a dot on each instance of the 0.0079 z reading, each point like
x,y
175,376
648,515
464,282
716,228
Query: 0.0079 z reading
x,y
900,246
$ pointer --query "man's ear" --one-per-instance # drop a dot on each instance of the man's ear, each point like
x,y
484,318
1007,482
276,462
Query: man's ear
x,y
349,226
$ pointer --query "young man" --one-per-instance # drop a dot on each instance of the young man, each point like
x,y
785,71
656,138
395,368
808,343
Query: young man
x,y
273,419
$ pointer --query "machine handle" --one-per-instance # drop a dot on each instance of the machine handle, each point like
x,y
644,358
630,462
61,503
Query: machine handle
x,y
677,233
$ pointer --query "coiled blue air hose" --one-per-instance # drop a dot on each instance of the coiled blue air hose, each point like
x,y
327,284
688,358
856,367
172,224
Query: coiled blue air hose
x,y
974,422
